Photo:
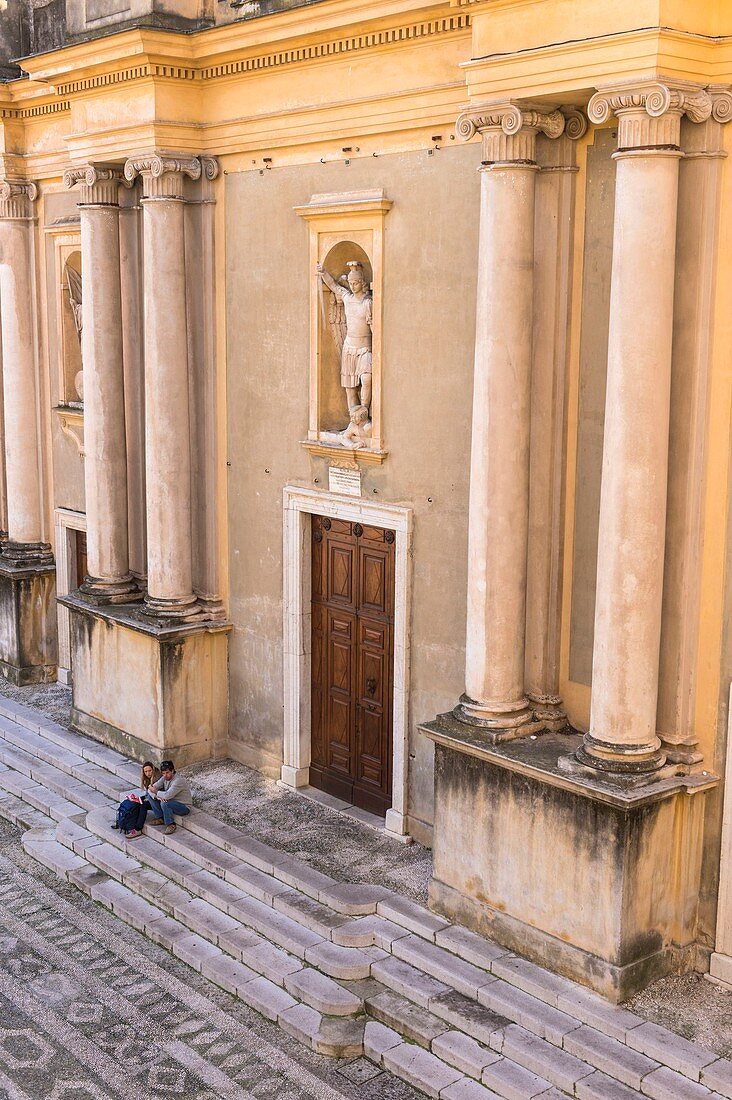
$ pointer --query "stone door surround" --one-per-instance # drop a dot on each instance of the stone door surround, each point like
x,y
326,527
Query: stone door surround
x,y
298,505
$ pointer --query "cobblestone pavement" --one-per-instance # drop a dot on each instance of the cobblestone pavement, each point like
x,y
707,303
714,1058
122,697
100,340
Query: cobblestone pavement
x,y
91,1010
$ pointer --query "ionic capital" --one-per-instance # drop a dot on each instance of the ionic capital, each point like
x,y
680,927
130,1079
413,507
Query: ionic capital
x,y
649,114
99,186
162,173
16,199
509,129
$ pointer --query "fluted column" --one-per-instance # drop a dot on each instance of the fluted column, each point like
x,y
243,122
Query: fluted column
x,y
622,736
167,413
105,468
499,475
17,324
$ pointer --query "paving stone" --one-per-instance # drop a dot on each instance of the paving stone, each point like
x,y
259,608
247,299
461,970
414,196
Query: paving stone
x,y
598,1086
545,1021
227,973
348,963
441,964
474,1019
512,1081
296,873
463,1053
377,1038
407,980
354,899
204,918
718,1076
532,979
410,1020
666,1084
310,913
609,1055
322,993
420,1068
156,888
368,931
535,1054
254,882
271,961
670,1049
470,1090
594,1010
302,1022
267,998
194,950
340,1037
412,916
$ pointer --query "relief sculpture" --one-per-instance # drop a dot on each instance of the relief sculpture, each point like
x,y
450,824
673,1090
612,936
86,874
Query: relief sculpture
x,y
350,319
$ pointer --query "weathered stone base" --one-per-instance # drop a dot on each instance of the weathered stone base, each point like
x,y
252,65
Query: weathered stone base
x,y
596,882
146,689
28,633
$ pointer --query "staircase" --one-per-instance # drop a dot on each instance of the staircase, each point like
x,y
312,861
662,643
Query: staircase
x,y
348,970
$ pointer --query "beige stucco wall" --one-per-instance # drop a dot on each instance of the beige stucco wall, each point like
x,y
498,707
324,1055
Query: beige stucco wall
x,y
429,315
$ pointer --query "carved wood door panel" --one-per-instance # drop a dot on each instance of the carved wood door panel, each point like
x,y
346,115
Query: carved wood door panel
x,y
352,662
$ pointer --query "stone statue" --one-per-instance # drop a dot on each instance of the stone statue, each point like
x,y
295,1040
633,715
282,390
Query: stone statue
x,y
358,432
74,287
350,318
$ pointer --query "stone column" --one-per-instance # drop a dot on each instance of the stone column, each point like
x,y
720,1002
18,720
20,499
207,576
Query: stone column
x,y
167,406
630,567
105,467
17,323
499,476
553,244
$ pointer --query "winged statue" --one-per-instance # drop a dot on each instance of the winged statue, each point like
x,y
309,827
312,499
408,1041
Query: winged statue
x,y
350,319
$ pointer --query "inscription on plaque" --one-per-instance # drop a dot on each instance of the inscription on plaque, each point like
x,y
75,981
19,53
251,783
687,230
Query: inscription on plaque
x,y
344,481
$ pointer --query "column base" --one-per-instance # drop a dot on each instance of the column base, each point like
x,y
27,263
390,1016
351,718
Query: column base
x,y
28,629
149,689
501,721
597,883
548,710
184,610
26,553
100,592
625,760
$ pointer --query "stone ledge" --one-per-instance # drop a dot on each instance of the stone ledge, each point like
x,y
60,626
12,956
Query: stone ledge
x,y
131,616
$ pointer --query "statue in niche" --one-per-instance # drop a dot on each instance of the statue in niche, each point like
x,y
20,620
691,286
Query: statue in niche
x,y
358,433
350,318
73,285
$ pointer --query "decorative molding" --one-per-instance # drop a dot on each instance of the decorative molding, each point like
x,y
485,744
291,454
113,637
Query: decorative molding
x,y
649,113
509,129
721,102
162,173
99,186
338,456
575,122
71,422
274,59
54,107
16,199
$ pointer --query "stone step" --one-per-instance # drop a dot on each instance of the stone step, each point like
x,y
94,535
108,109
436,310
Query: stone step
x,y
244,895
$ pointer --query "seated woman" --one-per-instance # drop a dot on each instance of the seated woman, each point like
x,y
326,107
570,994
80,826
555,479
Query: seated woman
x,y
170,795
133,809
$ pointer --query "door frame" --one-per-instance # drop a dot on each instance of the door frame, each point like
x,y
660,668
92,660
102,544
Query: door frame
x,y
299,504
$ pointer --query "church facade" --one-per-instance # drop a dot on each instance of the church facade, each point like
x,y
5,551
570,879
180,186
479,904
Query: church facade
x,y
366,418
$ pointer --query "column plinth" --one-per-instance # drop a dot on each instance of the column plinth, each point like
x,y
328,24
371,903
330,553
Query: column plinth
x,y
495,697
105,469
622,738
167,412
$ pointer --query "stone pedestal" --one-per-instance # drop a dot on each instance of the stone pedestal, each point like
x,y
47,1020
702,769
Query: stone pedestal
x,y
594,881
27,623
149,689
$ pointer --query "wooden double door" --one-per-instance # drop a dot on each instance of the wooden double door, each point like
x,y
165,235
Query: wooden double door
x,y
352,662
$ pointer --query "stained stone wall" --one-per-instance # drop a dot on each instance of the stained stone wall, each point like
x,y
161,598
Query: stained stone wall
x,y
431,240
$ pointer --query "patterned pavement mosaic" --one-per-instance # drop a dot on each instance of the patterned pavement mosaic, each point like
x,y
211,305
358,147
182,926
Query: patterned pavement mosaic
x,y
91,1010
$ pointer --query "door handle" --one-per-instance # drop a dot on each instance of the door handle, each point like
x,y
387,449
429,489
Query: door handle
x,y
371,686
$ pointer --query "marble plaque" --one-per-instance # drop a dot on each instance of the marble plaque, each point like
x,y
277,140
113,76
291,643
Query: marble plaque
x,y
344,481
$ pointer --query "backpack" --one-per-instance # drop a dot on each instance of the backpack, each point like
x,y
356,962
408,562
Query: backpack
x,y
127,815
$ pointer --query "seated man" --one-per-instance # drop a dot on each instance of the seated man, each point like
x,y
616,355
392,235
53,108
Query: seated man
x,y
170,795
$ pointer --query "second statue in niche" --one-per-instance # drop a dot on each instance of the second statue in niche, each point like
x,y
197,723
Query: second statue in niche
x,y
350,318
